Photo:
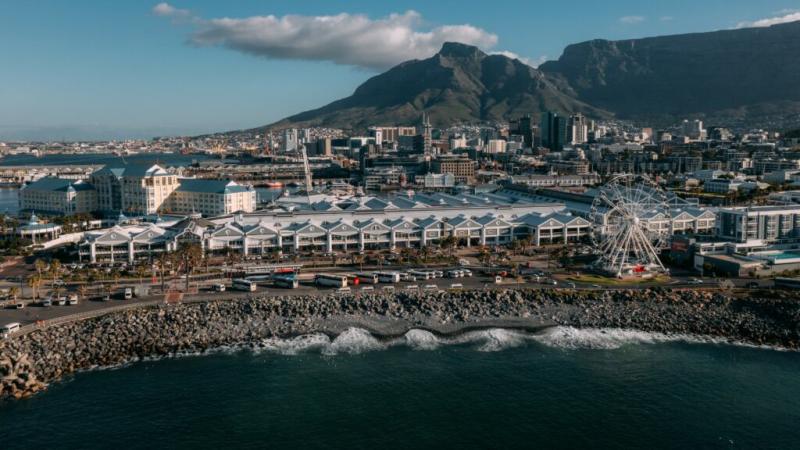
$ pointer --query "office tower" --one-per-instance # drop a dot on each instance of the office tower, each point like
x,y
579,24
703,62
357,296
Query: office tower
x,y
553,130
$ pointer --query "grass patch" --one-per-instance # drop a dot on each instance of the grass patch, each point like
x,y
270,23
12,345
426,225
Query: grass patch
x,y
611,281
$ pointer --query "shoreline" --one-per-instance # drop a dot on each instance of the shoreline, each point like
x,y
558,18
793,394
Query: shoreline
x,y
29,362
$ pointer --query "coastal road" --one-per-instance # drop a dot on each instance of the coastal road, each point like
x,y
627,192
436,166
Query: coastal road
x,y
34,312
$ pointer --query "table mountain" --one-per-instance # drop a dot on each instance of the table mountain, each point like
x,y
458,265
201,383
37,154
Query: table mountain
x,y
459,84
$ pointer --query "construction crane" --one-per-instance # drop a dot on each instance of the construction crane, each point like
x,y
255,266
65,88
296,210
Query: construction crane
x,y
307,170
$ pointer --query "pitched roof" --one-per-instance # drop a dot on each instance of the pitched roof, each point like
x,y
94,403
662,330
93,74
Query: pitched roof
x,y
54,184
211,186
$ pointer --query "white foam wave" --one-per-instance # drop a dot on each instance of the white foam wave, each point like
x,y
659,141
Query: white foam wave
x,y
353,341
296,345
492,340
596,338
421,340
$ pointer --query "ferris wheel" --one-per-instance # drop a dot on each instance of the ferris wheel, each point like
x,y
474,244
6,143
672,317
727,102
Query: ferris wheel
x,y
631,218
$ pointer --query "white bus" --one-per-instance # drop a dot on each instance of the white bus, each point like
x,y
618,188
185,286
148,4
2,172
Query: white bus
x,y
421,274
367,278
9,328
338,281
388,277
244,285
287,281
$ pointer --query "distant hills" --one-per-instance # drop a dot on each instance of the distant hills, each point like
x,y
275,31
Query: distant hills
x,y
731,75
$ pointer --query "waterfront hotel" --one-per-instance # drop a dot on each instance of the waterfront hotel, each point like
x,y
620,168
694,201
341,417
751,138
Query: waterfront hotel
x,y
136,190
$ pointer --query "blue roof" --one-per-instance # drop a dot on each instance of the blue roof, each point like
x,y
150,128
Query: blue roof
x,y
211,186
54,184
129,170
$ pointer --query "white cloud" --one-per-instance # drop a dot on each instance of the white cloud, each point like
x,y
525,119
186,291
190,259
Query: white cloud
x,y
533,62
349,39
631,19
666,18
790,16
167,10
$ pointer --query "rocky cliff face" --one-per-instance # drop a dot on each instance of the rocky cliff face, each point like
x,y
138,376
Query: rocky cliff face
x,y
751,70
459,84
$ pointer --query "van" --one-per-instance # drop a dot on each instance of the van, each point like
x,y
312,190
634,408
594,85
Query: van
x,y
367,288
343,290
453,273
127,294
219,287
431,287
456,286
19,305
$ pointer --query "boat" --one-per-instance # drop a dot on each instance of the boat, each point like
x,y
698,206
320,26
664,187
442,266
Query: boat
x,y
273,184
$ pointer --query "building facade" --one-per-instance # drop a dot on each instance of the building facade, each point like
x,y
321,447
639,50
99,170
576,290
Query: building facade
x,y
58,196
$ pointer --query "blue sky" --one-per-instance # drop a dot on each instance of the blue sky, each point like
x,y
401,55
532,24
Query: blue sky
x,y
132,68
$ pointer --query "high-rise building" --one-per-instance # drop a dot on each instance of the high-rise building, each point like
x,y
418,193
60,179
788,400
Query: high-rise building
x,y
578,129
693,129
426,133
289,139
525,128
553,129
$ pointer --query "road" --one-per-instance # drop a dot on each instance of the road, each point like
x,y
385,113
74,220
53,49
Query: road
x,y
34,312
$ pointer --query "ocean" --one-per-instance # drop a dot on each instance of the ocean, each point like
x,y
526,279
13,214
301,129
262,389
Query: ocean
x,y
563,388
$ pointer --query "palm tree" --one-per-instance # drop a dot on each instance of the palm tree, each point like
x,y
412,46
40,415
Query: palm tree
x,y
161,264
14,292
189,255
358,259
83,290
141,272
40,266
33,282
55,270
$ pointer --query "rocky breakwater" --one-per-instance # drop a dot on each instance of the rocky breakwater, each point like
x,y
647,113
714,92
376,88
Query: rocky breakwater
x,y
28,362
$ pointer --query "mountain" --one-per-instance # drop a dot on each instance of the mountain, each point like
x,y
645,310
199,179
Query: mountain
x,y
751,71
747,76
459,84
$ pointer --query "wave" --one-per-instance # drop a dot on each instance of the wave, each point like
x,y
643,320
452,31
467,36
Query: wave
x,y
356,340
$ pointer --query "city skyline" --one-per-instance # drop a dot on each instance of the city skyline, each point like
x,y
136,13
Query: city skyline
x,y
91,70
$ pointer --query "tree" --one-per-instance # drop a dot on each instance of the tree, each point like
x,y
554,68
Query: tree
x,y
34,281
14,292
40,265
141,272
83,290
55,270
449,243
189,255
163,263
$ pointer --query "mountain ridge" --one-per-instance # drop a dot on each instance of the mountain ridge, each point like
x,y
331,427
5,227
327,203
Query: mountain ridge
x,y
741,74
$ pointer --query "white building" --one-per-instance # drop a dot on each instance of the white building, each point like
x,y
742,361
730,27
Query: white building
x,y
212,197
342,225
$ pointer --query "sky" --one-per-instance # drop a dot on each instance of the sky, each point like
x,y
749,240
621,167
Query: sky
x,y
97,69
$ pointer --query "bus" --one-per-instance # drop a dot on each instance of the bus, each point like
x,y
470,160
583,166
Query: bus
x,y
421,274
388,277
9,328
338,281
367,278
288,281
244,285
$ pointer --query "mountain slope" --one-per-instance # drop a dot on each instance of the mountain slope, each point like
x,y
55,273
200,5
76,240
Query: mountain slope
x,y
459,84
744,71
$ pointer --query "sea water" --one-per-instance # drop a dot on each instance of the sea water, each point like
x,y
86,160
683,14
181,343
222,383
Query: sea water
x,y
562,388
